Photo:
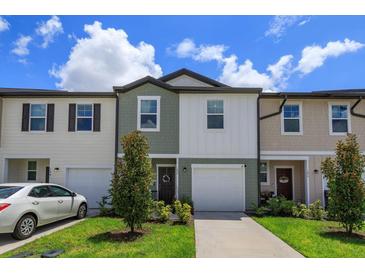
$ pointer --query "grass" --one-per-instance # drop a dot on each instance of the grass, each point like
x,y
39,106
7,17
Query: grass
x,y
315,239
88,240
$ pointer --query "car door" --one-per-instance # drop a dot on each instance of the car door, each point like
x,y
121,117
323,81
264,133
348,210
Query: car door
x,y
65,201
41,200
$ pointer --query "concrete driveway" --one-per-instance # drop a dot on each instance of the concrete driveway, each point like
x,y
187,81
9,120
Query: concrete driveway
x,y
235,235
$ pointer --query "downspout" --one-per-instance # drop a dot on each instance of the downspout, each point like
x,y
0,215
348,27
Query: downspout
x,y
275,113
352,111
116,128
258,151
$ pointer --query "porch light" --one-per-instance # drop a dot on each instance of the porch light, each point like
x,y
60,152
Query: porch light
x,y
184,169
315,171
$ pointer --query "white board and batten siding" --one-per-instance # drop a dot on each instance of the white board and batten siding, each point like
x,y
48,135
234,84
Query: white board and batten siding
x,y
238,139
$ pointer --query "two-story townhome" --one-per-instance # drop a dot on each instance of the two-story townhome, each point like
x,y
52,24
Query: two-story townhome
x,y
202,136
298,131
61,137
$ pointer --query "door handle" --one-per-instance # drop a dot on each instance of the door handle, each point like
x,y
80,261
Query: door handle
x,y
60,201
35,203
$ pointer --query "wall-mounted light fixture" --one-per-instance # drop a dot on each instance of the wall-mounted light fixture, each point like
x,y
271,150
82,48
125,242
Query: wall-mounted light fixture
x,y
184,169
316,171
56,168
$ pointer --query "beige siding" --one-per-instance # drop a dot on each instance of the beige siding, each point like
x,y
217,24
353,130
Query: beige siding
x,y
17,170
63,149
298,178
315,136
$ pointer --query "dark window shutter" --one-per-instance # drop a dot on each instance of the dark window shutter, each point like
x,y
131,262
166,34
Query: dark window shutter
x,y
25,117
50,117
71,117
96,119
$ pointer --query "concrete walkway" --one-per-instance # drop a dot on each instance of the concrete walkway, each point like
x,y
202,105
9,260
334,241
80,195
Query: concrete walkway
x,y
235,235
7,243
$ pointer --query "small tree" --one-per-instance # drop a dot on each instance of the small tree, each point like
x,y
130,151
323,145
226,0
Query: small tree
x,y
131,182
346,187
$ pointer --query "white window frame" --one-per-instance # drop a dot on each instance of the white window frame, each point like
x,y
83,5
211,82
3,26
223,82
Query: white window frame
x,y
32,170
92,117
283,132
45,117
267,183
150,98
212,114
347,104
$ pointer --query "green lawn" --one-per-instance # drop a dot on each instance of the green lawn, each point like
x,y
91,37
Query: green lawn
x,y
87,239
314,239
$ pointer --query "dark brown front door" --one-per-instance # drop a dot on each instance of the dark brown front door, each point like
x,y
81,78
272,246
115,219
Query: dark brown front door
x,y
284,182
166,184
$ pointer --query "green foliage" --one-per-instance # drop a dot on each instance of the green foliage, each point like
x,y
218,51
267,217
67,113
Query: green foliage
x,y
183,211
132,181
187,200
300,211
315,211
161,211
260,211
105,206
346,188
280,206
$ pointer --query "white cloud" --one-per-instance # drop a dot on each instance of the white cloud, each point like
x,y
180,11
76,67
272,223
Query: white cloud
x,y
279,25
103,59
49,30
21,45
4,25
203,53
314,56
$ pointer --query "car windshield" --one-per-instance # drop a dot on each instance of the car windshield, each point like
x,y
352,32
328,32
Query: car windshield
x,y
7,191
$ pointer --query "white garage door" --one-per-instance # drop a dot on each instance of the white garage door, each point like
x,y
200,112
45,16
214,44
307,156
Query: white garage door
x,y
218,187
93,183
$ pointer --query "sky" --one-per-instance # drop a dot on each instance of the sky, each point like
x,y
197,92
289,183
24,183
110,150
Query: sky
x,y
93,53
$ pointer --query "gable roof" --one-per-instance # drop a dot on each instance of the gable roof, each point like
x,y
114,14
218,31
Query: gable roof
x,y
340,93
25,92
191,74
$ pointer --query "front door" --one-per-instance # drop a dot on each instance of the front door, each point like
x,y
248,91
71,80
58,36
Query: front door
x,y
166,184
284,182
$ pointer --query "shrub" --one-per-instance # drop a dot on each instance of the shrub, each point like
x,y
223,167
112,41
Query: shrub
x,y
280,206
161,211
187,200
183,211
346,188
132,180
105,206
300,211
259,211
316,211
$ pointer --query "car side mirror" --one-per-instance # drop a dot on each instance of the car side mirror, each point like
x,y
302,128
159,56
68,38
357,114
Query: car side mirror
x,y
73,194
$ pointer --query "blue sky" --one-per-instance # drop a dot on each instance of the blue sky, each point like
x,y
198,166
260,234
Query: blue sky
x,y
305,53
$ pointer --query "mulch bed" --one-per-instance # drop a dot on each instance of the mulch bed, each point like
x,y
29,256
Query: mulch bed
x,y
127,236
335,231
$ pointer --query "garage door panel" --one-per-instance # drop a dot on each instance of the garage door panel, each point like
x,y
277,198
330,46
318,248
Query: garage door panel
x,y
93,183
218,189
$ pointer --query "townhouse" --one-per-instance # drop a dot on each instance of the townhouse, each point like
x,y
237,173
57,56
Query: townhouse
x,y
67,138
202,134
297,132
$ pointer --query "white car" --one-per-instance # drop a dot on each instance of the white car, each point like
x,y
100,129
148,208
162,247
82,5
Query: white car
x,y
25,206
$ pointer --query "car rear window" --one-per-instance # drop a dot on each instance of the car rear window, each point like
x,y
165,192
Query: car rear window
x,y
7,191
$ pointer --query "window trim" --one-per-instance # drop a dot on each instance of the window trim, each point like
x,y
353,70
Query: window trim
x,y
267,183
77,116
139,99
215,114
32,170
347,104
45,117
283,132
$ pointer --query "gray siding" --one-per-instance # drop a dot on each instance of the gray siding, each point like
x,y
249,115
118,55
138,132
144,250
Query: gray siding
x,y
250,180
166,141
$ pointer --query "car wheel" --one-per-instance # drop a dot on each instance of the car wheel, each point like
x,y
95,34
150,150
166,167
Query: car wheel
x,y
81,213
25,227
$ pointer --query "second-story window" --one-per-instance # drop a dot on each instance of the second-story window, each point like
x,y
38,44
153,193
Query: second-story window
x,y
291,119
339,119
148,113
84,117
38,117
215,114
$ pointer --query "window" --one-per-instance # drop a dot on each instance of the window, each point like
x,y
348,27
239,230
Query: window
x,y
38,117
40,192
264,179
32,170
291,119
57,191
148,113
215,114
7,191
339,119
84,117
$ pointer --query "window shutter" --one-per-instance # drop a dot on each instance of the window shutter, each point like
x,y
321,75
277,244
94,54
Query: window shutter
x,y
50,117
71,117
96,117
25,117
